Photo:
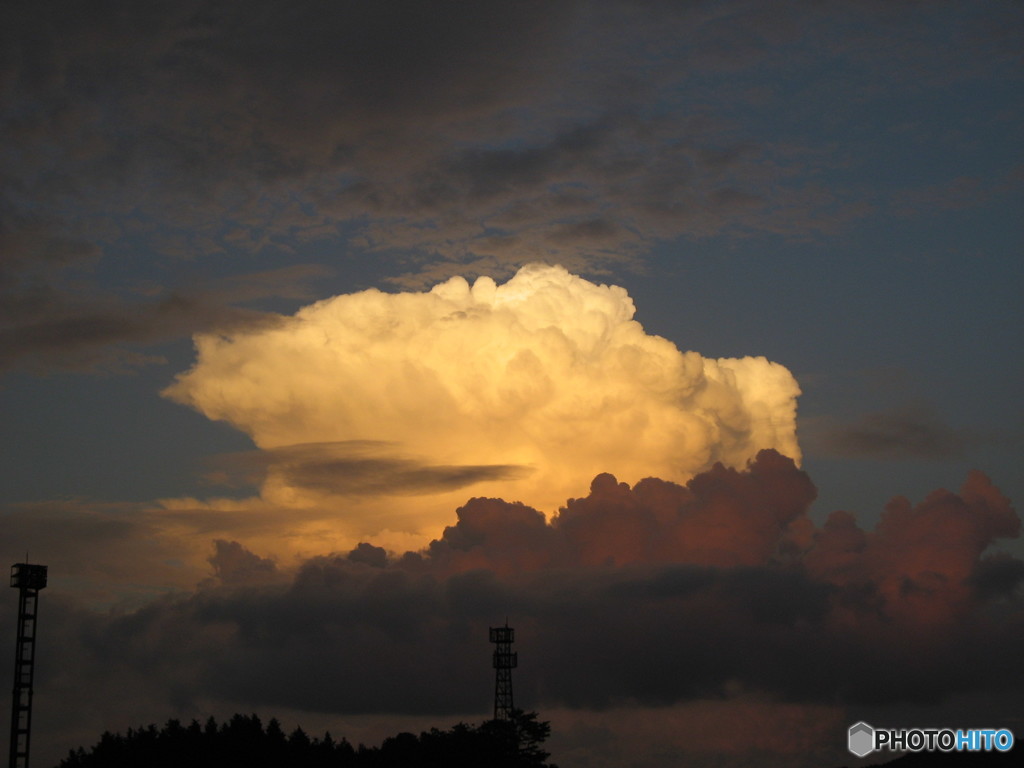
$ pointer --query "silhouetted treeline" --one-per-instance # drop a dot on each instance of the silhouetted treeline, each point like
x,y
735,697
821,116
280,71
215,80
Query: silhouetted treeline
x,y
244,742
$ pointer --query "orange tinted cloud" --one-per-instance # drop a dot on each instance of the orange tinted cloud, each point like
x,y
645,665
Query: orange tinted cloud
x,y
722,517
919,563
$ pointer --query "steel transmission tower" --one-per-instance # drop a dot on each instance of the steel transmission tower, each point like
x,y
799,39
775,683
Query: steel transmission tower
x,y
505,661
28,580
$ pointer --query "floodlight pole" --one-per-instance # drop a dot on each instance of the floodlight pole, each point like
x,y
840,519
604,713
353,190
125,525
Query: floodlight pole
x,y
505,660
28,580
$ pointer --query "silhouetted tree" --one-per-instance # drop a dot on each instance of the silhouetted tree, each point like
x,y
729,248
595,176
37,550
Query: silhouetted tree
x,y
520,739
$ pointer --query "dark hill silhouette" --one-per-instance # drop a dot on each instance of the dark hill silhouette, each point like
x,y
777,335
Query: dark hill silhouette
x,y
992,759
243,742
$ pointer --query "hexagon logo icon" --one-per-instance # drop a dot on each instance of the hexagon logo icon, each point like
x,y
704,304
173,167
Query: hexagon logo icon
x,y
861,739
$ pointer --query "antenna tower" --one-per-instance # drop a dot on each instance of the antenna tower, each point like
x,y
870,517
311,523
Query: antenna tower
x,y
505,660
28,580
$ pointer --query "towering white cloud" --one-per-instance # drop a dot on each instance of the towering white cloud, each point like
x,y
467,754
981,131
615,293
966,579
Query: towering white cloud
x,y
524,390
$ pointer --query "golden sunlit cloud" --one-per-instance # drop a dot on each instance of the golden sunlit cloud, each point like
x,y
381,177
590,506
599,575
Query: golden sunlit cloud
x,y
523,390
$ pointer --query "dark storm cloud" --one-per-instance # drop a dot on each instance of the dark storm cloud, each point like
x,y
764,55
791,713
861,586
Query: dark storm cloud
x,y
234,564
354,468
465,136
44,327
107,552
363,62
179,130
653,595
84,337
909,432
135,102
998,576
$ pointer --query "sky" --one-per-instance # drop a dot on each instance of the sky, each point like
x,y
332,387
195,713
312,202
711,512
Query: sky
x,y
684,336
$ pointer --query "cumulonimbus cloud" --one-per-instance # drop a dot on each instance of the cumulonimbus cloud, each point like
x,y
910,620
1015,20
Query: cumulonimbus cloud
x,y
546,378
